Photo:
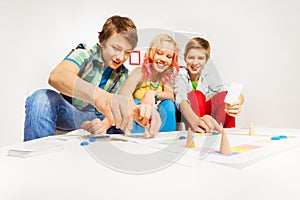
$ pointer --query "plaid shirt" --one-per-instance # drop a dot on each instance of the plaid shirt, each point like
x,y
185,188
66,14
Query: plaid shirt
x,y
91,67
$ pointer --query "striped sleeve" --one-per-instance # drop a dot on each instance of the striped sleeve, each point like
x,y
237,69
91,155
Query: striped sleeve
x,y
78,56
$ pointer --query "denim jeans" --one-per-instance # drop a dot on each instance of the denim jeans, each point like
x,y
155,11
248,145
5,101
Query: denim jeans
x,y
167,111
47,110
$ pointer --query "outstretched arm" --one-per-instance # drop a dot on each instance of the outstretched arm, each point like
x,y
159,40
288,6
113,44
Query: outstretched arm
x,y
145,114
199,124
65,79
130,85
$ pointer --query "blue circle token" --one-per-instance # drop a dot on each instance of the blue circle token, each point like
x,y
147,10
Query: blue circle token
x,y
182,137
275,138
84,143
215,133
92,139
283,137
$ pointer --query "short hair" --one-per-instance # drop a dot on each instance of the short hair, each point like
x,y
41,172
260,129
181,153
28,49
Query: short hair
x,y
197,43
122,25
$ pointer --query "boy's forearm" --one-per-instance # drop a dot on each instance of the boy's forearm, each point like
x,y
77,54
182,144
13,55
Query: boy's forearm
x,y
68,83
187,112
80,89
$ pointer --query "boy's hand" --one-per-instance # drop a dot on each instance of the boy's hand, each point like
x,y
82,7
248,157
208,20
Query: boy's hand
x,y
96,126
205,123
234,108
116,108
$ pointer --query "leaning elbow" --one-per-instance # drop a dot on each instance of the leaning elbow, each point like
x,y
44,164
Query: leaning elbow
x,y
52,79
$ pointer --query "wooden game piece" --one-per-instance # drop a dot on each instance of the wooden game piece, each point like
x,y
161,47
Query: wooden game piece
x,y
225,146
127,132
251,129
146,134
190,140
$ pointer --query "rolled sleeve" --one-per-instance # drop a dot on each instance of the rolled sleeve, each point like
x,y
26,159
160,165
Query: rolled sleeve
x,y
79,56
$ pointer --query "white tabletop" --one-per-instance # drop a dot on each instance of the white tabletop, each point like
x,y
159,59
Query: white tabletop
x,y
73,173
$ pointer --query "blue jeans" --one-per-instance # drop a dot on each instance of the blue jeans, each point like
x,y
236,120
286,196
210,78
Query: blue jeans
x,y
47,110
167,111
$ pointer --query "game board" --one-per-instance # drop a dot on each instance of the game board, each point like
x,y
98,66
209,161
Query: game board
x,y
246,148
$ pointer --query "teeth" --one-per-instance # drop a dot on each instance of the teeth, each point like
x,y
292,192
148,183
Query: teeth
x,y
160,64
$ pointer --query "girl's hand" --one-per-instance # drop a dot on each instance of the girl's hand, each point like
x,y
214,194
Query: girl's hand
x,y
151,121
149,98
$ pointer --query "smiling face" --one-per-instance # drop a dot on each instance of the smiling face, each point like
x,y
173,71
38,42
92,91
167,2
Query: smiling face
x,y
115,50
195,60
163,57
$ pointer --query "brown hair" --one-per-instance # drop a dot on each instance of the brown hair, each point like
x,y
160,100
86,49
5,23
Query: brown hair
x,y
122,25
197,43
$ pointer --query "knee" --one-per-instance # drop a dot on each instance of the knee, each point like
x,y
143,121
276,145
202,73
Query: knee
x,y
168,105
218,99
167,108
196,95
41,97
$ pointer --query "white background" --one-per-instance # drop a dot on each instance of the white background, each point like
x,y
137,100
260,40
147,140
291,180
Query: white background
x,y
254,42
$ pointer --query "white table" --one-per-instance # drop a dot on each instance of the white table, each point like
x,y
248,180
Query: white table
x,y
74,174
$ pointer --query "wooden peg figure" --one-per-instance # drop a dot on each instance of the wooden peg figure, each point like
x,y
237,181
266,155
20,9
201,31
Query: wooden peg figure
x,y
190,140
251,129
127,132
146,134
225,146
